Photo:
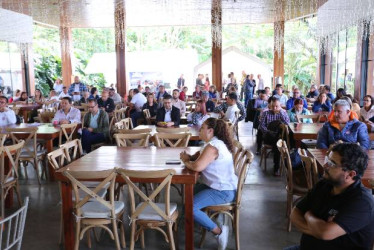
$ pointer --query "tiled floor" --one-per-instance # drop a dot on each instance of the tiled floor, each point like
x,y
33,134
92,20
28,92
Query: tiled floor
x,y
262,223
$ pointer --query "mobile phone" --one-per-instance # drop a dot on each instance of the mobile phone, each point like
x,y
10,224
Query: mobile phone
x,y
173,162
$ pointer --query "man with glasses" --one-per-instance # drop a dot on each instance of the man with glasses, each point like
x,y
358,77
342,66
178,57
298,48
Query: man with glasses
x,y
343,126
168,115
67,113
7,116
338,213
95,126
296,95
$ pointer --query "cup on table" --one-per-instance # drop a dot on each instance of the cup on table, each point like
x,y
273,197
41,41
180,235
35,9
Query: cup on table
x,y
55,123
295,124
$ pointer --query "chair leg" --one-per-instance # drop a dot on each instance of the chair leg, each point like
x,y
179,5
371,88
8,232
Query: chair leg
x,y
123,239
77,232
61,228
237,230
37,170
132,242
171,236
89,244
289,208
142,242
115,232
203,234
16,189
25,168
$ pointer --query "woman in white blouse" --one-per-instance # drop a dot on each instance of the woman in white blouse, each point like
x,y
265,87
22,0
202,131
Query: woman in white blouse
x,y
199,115
218,179
367,111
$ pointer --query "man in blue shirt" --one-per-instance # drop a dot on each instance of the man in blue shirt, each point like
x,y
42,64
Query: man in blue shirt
x,y
327,90
296,95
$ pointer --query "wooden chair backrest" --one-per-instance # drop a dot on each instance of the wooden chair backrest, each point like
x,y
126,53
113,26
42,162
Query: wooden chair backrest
x,y
29,141
173,130
311,169
238,147
73,149
237,115
11,152
75,177
134,131
46,116
166,175
85,106
285,160
285,134
15,109
315,118
244,163
58,158
124,124
147,116
67,131
83,113
119,114
164,140
132,140
3,138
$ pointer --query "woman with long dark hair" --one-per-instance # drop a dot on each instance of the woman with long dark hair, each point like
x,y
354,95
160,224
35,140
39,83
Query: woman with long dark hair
x,y
215,163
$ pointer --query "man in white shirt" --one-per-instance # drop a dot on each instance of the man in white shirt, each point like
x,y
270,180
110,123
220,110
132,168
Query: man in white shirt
x,y
67,114
136,106
232,108
178,103
64,93
260,83
279,94
114,96
7,116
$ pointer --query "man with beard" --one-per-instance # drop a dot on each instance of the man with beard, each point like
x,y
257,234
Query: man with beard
x,y
338,213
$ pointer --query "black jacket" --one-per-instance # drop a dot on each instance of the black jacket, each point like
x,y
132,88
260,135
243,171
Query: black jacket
x,y
175,115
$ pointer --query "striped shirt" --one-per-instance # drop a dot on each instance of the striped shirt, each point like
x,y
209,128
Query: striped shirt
x,y
268,116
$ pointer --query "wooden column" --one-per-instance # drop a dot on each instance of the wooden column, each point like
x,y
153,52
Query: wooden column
x,y
66,51
28,75
278,55
370,76
217,45
358,65
120,36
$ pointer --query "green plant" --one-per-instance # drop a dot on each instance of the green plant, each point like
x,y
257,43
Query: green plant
x,y
47,70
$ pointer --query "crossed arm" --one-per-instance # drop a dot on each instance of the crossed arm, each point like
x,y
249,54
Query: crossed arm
x,y
309,224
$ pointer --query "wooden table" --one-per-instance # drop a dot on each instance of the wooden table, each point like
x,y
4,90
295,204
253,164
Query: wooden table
x,y
108,157
309,131
367,179
194,130
25,108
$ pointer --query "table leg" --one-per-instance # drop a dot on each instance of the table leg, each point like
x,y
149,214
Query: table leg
x,y
68,219
9,197
49,148
25,116
189,222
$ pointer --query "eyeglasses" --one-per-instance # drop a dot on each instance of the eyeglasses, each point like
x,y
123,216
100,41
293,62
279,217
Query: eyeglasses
x,y
331,164
91,107
296,92
2,102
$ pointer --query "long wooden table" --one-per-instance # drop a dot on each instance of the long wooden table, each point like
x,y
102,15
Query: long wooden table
x,y
194,130
367,179
108,157
309,131
26,108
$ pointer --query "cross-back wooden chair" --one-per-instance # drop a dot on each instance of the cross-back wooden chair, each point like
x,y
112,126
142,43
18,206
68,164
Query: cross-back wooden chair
x,y
173,130
232,209
132,140
236,126
91,210
85,106
66,132
149,214
135,131
294,187
15,109
147,116
310,167
30,152
9,174
73,149
163,140
315,118
83,113
238,151
3,138
124,124
46,116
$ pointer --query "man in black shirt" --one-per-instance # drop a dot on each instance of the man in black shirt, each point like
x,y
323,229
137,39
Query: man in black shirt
x,y
338,213
209,104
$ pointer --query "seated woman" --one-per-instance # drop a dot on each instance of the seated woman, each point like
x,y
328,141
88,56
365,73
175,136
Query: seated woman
x,y
213,93
343,126
38,98
298,109
22,99
94,94
151,105
199,116
367,111
218,179
339,94
322,104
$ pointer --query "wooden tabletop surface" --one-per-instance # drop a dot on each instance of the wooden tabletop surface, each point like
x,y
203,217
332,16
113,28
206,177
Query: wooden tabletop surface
x,y
43,128
367,179
194,130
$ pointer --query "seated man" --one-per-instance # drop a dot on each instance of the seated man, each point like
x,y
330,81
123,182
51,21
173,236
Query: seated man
x,y
64,93
312,94
326,90
232,108
176,102
115,96
106,103
262,101
342,126
168,115
7,116
95,126
296,95
67,113
280,95
209,104
338,213
136,104
223,107
275,113
197,93
161,93
84,98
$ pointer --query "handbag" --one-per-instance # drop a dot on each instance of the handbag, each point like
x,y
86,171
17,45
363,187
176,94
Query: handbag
x,y
296,161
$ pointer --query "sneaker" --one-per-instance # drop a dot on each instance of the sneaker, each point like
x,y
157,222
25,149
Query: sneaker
x,y
220,220
223,237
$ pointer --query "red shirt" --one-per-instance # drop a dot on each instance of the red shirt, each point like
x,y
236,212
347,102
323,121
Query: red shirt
x,y
182,96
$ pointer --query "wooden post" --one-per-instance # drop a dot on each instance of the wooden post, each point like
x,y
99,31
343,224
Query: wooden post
x,y
66,49
370,79
28,75
278,55
216,19
120,35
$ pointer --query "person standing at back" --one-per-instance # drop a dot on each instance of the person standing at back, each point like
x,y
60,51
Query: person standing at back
x,y
180,83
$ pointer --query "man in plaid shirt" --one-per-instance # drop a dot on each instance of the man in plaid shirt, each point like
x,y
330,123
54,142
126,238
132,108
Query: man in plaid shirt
x,y
275,113
77,89
223,108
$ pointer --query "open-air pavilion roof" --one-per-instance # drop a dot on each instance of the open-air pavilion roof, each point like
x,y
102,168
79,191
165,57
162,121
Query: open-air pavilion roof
x,y
100,13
